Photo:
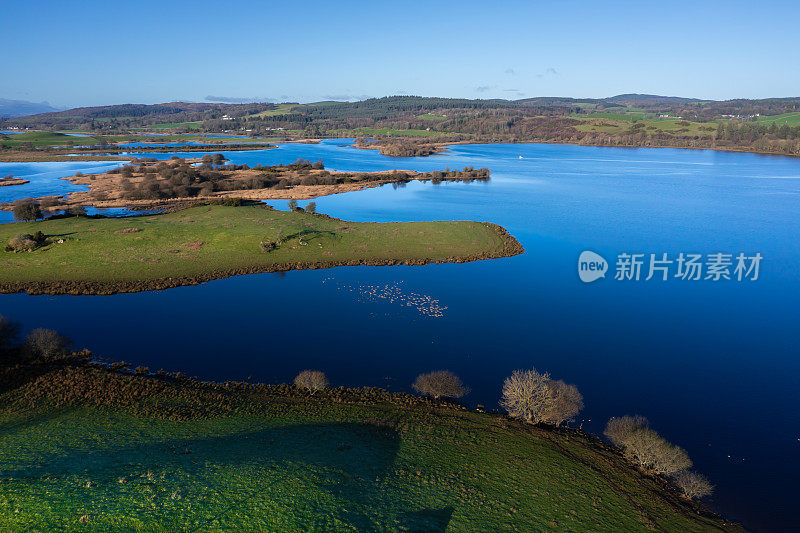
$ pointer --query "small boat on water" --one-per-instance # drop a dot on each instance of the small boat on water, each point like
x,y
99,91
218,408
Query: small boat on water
x,y
521,157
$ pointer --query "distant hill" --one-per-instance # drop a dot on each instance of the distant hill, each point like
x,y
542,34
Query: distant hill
x,y
139,110
22,108
649,99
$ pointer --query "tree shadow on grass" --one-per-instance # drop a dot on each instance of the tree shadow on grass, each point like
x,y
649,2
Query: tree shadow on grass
x,y
321,476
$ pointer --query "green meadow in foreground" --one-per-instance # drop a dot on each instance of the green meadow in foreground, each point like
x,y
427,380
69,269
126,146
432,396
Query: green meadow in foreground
x,y
86,255
84,448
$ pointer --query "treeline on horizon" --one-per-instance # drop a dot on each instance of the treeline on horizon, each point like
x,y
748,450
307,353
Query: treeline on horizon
x,y
551,119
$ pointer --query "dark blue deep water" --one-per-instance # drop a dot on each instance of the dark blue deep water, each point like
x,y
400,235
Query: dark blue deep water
x,y
713,365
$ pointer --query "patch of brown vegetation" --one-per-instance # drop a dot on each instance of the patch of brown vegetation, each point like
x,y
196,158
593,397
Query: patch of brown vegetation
x,y
116,189
127,230
194,245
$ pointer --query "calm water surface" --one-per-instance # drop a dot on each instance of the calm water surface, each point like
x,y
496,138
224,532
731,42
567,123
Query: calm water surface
x,y
713,365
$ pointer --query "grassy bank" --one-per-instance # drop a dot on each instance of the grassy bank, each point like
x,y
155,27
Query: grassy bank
x,y
97,256
84,448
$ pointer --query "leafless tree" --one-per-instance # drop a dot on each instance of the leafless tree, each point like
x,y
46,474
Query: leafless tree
x,y
565,402
653,452
47,343
312,380
620,428
692,484
523,394
440,384
536,398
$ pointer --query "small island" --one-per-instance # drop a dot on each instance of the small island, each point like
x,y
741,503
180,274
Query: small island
x,y
8,181
88,255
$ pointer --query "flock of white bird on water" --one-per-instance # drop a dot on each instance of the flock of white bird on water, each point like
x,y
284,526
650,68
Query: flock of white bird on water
x,y
394,293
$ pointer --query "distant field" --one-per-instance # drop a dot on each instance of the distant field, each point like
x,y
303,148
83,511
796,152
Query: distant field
x,y
286,108
430,116
210,241
790,119
615,116
670,126
46,138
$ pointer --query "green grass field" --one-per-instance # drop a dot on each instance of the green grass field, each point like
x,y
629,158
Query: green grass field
x,y
629,117
670,126
283,109
430,116
46,138
84,449
791,119
209,239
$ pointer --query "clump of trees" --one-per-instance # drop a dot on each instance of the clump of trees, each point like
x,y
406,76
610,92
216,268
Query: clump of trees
x,y
645,447
27,210
440,384
538,399
312,380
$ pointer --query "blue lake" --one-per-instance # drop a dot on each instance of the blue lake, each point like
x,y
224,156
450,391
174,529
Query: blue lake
x,y
713,365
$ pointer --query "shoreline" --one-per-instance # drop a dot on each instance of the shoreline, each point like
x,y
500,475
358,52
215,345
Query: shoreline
x,y
445,144
81,380
34,157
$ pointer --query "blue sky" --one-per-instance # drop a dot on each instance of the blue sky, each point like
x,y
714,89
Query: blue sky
x,y
96,53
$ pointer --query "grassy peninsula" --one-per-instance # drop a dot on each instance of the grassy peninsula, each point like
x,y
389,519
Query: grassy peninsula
x,y
86,447
82,255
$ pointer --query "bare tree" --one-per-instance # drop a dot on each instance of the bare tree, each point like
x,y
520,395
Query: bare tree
x,y
565,402
620,428
47,343
534,397
692,484
27,210
440,384
523,392
312,380
653,452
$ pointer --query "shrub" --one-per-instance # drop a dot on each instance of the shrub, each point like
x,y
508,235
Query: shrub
x,y
653,452
311,207
692,484
292,205
27,210
536,398
24,242
440,384
312,380
620,428
47,343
